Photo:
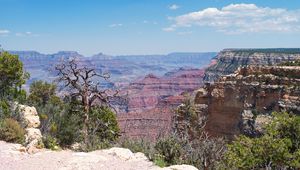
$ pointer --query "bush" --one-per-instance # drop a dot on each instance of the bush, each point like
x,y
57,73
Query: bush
x,y
103,128
204,154
69,129
170,149
50,143
278,148
4,109
11,131
142,145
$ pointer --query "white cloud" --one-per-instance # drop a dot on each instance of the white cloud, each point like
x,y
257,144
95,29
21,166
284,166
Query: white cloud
x,y
185,33
28,33
169,29
174,7
241,18
4,32
115,25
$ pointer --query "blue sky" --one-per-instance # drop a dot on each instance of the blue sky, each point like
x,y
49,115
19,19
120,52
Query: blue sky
x,y
148,26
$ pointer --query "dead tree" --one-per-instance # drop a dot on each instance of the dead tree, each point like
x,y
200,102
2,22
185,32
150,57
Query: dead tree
x,y
83,83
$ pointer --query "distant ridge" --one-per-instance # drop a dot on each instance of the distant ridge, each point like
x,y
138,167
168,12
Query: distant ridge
x,y
265,50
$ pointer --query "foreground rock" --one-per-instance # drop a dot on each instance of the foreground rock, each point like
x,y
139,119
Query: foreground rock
x,y
111,159
30,121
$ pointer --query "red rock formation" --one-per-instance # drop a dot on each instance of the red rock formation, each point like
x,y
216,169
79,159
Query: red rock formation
x,y
152,101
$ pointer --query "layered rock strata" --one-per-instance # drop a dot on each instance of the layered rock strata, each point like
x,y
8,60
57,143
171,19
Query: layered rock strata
x,y
228,60
152,101
241,102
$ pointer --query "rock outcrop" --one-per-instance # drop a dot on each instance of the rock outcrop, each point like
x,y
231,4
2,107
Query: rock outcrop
x,y
228,60
241,102
109,159
30,121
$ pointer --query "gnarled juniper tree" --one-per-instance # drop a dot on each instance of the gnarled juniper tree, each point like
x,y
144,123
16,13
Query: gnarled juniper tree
x,y
86,85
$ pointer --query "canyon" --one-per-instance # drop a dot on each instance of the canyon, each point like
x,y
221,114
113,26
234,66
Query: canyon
x,y
238,90
153,85
152,102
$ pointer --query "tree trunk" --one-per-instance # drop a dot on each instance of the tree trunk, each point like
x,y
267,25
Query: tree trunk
x,y
86,119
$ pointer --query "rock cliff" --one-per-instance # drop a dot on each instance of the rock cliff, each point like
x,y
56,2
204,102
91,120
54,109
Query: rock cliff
x,y
241,102
228,60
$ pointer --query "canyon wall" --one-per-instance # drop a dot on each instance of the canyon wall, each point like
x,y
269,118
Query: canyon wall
x,y
235,101
228,60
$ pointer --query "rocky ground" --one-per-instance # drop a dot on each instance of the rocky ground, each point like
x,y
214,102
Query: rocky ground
x,y
112,159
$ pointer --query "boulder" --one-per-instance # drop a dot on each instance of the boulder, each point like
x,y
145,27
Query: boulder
x,y
140,156
30,121
180,167
29,117
32,134
121,153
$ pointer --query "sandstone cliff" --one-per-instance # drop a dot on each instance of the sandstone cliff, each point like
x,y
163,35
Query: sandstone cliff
x,y
234,102
228,60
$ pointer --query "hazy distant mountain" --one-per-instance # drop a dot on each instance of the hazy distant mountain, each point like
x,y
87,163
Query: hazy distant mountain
x,y
123,69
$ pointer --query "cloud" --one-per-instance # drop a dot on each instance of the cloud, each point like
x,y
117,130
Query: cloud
x,y
169,29
28,33
4,32
174,7
240,18
185,33
115,25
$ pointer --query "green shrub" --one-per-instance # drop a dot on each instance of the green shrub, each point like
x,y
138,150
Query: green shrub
x,y
142,145
4,109
171,150
103,129
278,148
159,160
69,129
50,143
11,131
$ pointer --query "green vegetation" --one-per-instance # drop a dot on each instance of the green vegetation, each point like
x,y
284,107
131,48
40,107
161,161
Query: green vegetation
x,y
278,148
188,144
51,143
11,131
12,77
62,123
169,149
290,63
49,106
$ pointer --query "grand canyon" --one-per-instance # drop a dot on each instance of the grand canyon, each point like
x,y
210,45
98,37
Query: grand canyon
x,y
150,85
